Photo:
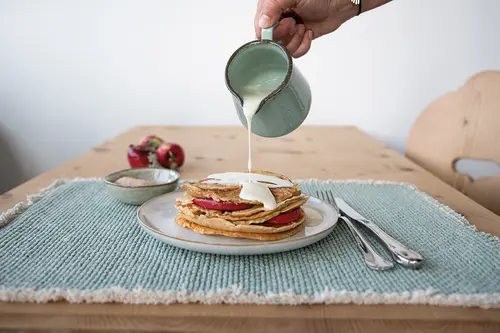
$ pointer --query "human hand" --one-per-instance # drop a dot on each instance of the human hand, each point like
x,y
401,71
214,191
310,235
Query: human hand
x,y
319,17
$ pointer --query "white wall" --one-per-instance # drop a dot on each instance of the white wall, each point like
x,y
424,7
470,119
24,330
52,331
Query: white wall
x,y
92,68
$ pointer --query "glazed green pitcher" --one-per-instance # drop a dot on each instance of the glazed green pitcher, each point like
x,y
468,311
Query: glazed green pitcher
x,y
267,64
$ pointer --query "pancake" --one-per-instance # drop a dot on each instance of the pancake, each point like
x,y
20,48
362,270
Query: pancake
x,y
222,224
235,234
221,214
231,192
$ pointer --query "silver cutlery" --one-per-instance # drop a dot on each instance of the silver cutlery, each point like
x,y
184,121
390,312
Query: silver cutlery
x,y
401,253
371,257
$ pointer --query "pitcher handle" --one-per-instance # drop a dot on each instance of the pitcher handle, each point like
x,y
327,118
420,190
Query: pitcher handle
x,y
267,33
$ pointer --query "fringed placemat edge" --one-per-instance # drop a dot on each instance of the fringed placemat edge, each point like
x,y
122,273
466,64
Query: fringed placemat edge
x,y
19,208
236,295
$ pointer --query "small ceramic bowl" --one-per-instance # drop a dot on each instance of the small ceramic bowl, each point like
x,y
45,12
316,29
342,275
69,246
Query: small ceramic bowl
x,y
167,182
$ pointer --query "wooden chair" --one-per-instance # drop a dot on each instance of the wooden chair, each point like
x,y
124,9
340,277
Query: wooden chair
x,y
462,124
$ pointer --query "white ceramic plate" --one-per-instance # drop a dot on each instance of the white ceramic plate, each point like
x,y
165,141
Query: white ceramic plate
x,y
156,217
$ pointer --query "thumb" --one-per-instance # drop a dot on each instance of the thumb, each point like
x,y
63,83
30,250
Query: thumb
x,y
271,11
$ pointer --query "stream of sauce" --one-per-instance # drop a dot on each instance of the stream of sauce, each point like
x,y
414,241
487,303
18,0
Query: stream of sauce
x,y
251,102
255,187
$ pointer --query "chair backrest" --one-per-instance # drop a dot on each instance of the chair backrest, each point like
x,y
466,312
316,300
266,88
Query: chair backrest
x,y
464,124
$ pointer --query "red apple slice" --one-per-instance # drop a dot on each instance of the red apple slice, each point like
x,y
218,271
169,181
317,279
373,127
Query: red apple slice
x,y
287,217
220,205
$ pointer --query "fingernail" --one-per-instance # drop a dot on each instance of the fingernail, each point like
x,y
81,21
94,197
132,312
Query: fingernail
x,y
265,21
310,34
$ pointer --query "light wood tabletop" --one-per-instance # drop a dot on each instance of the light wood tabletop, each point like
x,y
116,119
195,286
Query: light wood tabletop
x,y
310,152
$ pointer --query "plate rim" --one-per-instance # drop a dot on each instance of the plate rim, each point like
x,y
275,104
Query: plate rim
x,y
281,241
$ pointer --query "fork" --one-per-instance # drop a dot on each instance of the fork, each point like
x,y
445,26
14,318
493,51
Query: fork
x,y
403,255
371,257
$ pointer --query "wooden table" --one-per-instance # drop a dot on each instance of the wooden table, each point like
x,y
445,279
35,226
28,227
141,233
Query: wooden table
x,y
309,152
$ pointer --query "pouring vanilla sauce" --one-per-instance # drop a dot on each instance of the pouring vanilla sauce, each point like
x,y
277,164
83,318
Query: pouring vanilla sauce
x,y
252,97
253,187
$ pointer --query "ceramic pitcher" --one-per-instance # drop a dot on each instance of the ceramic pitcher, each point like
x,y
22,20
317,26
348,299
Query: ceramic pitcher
x,y
266,62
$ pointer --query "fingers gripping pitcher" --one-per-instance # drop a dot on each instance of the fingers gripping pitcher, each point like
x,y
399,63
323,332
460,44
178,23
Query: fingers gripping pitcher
x,y
271,96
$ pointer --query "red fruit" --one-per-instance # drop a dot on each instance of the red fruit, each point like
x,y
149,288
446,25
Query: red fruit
x,y
140,156
170,155
220,205
152,141
287,217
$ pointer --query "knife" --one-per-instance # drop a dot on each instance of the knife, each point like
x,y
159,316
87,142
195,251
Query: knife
x,y
401,253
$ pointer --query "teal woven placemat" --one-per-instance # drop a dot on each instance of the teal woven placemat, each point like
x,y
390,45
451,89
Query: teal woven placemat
x,y
76,243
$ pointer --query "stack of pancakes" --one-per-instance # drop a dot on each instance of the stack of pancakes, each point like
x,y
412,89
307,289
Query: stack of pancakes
x,y
247,219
